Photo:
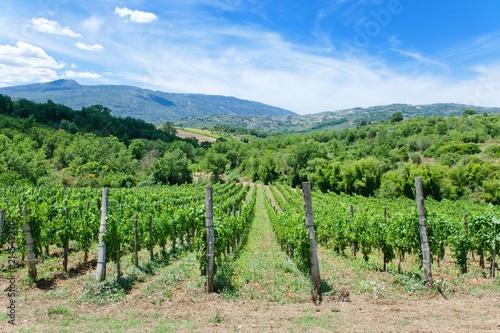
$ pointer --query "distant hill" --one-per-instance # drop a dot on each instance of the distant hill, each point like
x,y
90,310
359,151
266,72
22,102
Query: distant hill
x,y
128,101
333,119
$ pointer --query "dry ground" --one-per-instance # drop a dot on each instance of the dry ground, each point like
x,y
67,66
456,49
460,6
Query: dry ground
x,y
212,313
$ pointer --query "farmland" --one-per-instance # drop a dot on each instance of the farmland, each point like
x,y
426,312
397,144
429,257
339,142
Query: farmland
x,y
259,287
56,163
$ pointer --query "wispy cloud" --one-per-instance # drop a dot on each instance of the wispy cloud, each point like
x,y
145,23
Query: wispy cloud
x,y
422,59
52,27
95,47
135,15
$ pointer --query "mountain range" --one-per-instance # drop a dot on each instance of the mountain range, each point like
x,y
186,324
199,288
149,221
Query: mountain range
x,y
197,110
128,101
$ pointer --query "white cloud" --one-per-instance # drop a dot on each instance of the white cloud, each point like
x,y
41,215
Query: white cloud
x,y
52,27
135,15
81,75
93,24
95,47
26,63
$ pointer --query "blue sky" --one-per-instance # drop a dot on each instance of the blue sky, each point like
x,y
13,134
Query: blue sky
x,y
307,56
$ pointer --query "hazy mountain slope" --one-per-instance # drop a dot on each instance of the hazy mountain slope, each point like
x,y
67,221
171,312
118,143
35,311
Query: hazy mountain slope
x,y
333,119
152,106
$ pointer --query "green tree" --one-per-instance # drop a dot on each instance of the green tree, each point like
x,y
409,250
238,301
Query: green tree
x,y
172,169
137,148
468,112
215,163
396,117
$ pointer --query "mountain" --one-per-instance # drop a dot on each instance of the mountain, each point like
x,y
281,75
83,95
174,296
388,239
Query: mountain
x,y
333,119
128,101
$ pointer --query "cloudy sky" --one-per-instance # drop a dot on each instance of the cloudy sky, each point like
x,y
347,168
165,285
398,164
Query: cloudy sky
x,y
307,56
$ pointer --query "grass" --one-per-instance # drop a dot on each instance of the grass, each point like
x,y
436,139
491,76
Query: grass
x,y
262,270
126,320
311,323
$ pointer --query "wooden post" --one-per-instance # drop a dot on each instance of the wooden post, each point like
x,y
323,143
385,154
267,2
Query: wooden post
x,y
66,240
86,255
424,243
2,218
118,261
496,221
354,246
30,250
151,240
385,223
316,279
464,253
101,256
136,240
209,224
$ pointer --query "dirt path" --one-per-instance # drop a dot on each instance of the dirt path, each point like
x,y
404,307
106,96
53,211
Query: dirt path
x,y
269,196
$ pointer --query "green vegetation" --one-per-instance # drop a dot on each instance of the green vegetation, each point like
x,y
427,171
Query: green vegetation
x,y
457,157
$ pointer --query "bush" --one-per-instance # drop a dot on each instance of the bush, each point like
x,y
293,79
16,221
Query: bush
x,y
449,159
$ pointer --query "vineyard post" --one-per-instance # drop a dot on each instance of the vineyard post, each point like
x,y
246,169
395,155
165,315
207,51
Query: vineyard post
x,y
316,280
86,255
496,221
424,243
385,224
136,240
354,246
2,218
209,224
101,257
30,248
464,251
151,240
66,240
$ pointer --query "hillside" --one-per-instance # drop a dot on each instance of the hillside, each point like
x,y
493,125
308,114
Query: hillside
x,y
152,106
332,119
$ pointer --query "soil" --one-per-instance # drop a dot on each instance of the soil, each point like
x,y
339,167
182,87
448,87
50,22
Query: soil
x,y
185,134
362,313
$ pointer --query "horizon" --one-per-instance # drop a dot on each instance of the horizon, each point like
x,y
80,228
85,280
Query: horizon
x,y
304,56
297,114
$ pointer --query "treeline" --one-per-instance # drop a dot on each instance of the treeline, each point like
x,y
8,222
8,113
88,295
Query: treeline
x,y
238,130
95,119
457,156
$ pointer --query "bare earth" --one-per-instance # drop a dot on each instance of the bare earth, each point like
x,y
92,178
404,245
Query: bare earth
x,y
185,134
362,314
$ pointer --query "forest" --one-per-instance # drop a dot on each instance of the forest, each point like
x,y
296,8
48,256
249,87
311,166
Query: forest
x,y
51,144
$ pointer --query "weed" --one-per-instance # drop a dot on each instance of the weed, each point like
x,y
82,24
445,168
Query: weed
x,y
59,310
217,319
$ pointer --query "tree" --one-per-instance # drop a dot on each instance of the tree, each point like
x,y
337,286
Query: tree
x,y
169,128
396,117
172,169
468,112
215,163
137,148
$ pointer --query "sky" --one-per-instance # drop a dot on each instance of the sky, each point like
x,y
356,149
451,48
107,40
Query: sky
x,y
307,56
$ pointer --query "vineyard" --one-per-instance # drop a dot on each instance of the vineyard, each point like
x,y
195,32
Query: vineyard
x,y
159,229
390,227
135,219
